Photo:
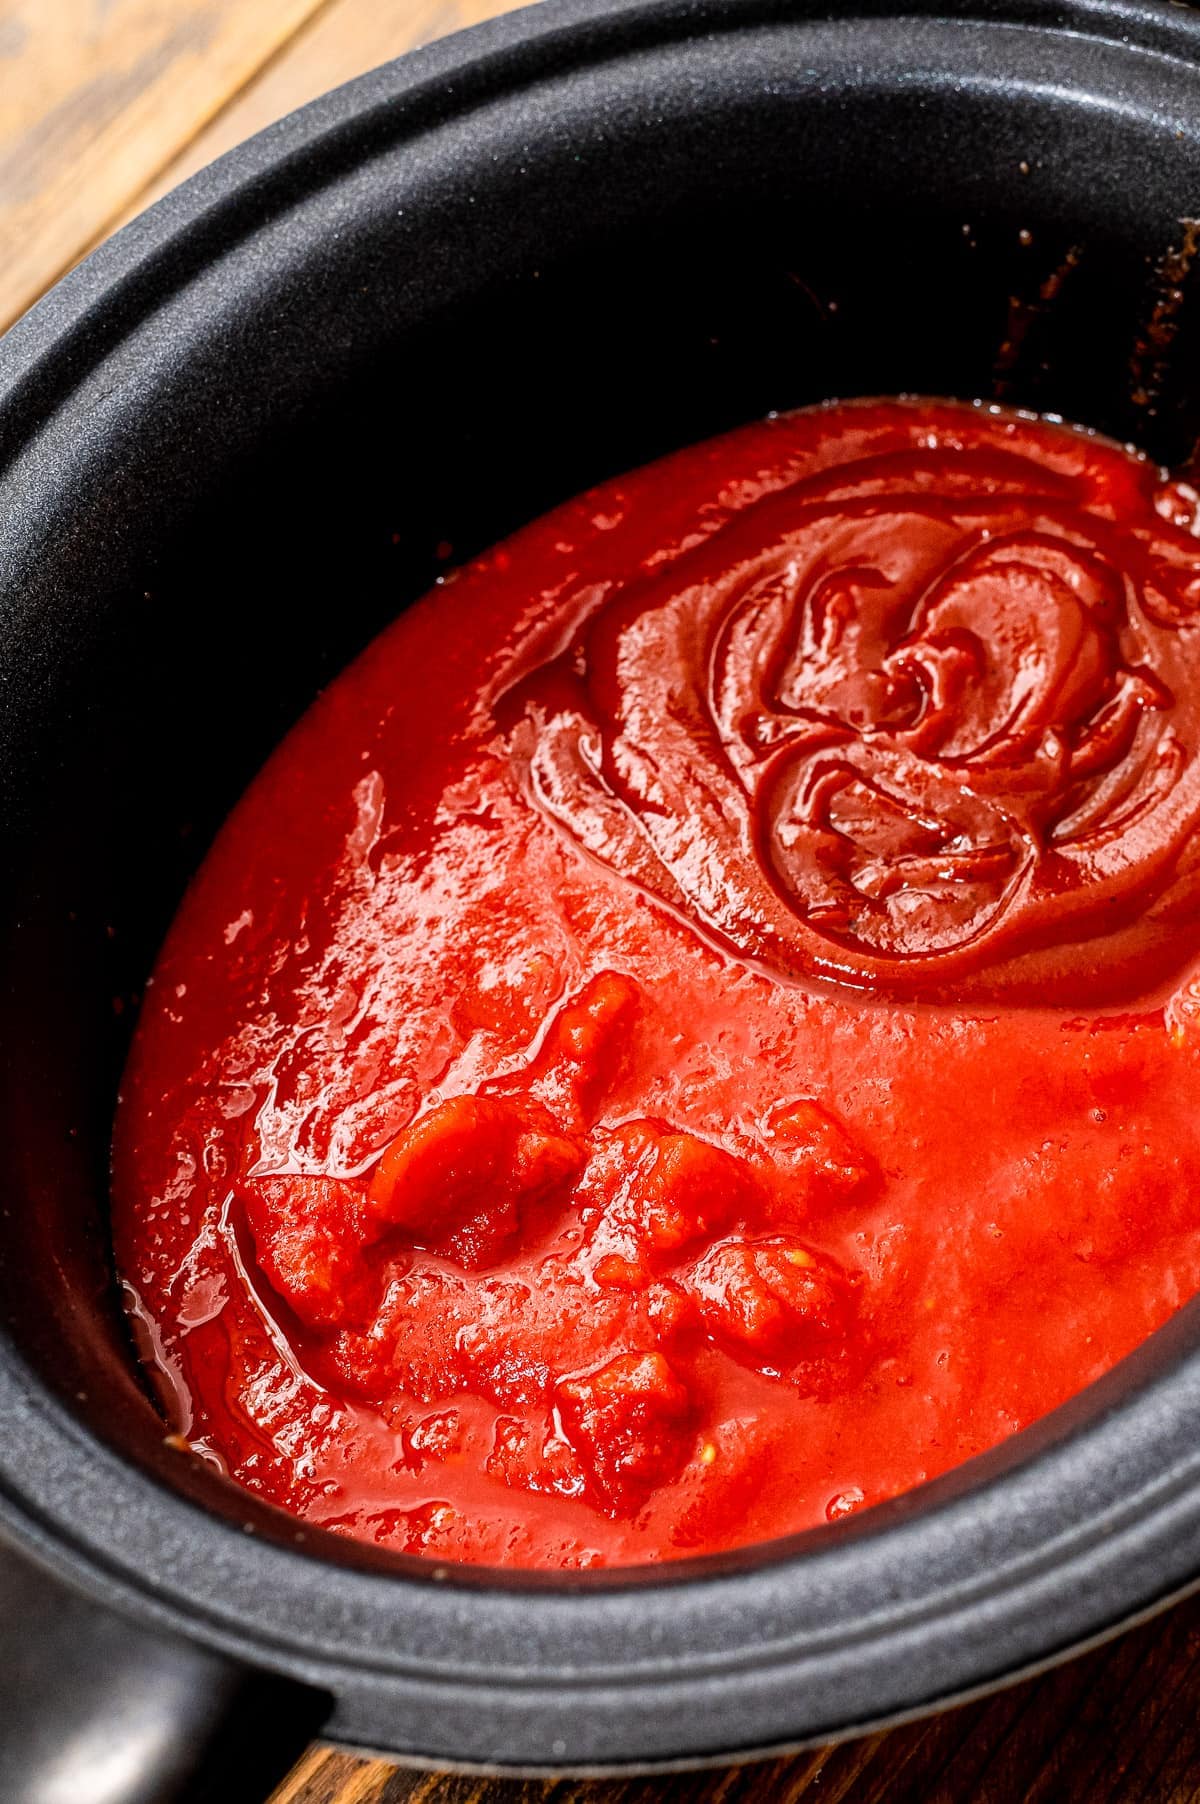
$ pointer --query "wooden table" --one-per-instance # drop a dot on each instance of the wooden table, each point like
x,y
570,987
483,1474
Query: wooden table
x,y
104,105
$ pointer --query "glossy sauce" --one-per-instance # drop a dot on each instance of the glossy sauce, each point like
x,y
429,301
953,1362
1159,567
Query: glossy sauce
x,y
691,1035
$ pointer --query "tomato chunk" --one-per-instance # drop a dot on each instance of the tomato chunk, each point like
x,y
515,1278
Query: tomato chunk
x,y
658,1192
529,1457
683,1189
630,1424
814,1151
308,1235
587,1048
457,1178
775,1300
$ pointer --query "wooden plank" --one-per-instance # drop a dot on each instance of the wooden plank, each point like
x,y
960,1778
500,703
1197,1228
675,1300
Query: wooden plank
x,y
96,96
346,38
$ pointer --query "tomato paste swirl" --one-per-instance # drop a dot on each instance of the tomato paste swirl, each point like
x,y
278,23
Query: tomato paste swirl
x,y
916,720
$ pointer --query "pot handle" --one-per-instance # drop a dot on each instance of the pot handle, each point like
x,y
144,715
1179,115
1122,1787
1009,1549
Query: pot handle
x,y
95,1709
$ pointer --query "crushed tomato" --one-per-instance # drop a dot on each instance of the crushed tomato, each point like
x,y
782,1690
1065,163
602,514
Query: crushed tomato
x,y
693,1034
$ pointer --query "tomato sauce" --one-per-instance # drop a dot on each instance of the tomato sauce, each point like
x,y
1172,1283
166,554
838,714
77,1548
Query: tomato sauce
x,y
692,1034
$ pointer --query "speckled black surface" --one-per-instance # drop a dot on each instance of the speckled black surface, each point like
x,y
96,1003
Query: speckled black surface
x,y
421,310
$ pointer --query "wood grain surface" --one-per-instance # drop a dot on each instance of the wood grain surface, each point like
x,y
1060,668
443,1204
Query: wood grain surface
x,y
104,105
94,95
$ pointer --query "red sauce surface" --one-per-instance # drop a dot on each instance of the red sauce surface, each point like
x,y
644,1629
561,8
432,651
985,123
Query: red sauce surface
x,y
691,1034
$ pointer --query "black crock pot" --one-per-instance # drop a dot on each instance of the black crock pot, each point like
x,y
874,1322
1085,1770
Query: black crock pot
x,y
421,311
